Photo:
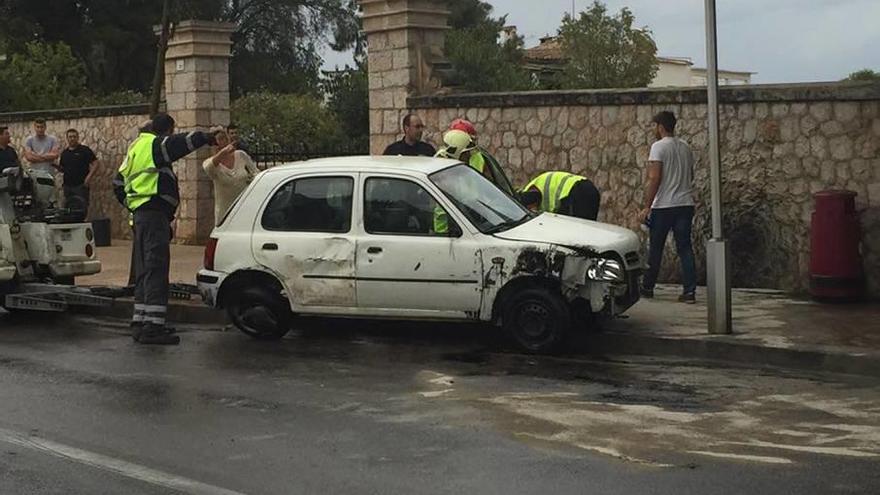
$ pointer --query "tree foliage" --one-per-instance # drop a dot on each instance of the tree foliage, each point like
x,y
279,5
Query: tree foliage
x,y
480,60
606,51
275,47
268,119
347,96
864,75
43,75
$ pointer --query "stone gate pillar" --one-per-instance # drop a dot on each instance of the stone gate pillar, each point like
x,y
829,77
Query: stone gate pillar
x,y
197,96
404,39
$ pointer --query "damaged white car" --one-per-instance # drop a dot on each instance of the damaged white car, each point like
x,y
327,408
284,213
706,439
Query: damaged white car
x,y
411,238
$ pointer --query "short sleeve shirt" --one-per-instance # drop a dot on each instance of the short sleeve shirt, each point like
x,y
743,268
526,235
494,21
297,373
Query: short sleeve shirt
x,y
41,146
75,164
676,184
401,147
8,157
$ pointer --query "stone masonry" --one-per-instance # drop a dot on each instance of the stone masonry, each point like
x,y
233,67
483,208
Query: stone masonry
x,y
108,131
779,144
404,37
197,96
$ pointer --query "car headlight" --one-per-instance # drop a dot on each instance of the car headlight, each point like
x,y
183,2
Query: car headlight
x,y
605,270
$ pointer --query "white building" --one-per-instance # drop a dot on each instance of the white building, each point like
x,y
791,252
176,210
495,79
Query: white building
x,y
547,59
679,71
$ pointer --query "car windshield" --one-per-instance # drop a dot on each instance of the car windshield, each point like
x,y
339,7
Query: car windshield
x,y
486,206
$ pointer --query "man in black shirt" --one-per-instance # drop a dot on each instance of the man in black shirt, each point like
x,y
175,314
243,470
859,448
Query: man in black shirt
x,y
8,156
77,163
411,144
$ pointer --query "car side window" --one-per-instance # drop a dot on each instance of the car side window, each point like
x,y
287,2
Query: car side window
x,y
399,206
313,204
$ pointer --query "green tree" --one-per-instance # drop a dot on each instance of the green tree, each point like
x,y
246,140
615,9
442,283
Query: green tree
x,y
43,75
864,75
275,47
268,119
347,95
605,51
480,60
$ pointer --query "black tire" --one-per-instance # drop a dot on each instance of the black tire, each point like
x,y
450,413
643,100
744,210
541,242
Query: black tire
x,y
537,320
260,313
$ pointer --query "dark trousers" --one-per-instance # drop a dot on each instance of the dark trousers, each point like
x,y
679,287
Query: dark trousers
x,y
152,259
582,201
679,220
77,198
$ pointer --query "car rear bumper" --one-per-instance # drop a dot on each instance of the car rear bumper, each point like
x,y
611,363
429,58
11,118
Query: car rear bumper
x,y
209,282
74,268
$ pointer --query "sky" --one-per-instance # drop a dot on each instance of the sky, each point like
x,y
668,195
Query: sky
x,y
780,40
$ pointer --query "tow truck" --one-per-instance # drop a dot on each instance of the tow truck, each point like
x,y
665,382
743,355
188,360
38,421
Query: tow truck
x,y
43,247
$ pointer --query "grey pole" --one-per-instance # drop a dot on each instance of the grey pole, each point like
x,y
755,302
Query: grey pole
x,y
717,252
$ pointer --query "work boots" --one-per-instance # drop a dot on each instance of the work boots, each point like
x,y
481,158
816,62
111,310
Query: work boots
x,y
152,334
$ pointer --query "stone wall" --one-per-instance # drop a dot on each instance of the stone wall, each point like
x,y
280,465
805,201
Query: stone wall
x,y
107,130
780,144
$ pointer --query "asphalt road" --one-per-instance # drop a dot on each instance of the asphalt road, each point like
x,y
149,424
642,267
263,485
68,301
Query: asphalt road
x,y
402,408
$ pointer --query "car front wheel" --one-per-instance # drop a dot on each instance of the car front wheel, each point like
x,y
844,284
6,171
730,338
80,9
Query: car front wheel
x,y
260,313
537,320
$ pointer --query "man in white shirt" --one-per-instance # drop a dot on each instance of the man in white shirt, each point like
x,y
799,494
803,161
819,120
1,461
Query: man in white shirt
x,y
669,205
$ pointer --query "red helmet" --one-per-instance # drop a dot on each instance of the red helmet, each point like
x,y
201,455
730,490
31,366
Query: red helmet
x,y
463,125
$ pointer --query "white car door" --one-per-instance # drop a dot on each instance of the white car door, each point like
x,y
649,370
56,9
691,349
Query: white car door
x,y
404,267
304,235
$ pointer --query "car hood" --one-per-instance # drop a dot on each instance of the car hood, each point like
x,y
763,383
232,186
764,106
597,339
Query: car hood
x,y
575,233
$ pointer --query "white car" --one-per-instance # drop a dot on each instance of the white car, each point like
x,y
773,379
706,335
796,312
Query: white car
x,y
363,237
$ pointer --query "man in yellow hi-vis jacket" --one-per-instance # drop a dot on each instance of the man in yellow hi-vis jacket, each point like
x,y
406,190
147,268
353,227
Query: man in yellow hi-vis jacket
x,y
563,193
147,186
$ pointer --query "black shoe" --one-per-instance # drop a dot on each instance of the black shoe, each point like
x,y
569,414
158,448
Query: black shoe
x,y
688,298
136,329
157,335
647,293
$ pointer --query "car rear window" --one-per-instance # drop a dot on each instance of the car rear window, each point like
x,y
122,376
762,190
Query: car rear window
x,y
312,204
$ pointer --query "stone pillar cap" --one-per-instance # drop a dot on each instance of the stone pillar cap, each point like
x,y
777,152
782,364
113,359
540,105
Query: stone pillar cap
x,y
194,38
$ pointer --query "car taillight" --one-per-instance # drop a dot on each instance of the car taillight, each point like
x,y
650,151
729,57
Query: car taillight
x,y
210,251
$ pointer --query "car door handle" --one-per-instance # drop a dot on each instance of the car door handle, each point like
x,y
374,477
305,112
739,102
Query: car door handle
x,y
270,246
374,250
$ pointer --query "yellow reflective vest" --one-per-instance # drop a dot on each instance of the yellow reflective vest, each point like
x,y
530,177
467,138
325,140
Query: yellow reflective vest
x,y
554,187
141,176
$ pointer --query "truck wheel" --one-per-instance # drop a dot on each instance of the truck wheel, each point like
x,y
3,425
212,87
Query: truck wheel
x,y
260,313
537,320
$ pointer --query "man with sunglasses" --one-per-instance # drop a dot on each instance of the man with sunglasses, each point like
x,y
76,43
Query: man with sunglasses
x,y
411,144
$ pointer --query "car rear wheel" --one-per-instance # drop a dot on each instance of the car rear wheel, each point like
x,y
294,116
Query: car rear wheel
x,y
260,313
537,320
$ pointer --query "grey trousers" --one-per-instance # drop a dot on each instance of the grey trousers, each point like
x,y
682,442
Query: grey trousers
x,y
152,259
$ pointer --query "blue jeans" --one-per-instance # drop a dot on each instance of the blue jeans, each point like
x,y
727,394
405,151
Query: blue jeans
x,y
679,220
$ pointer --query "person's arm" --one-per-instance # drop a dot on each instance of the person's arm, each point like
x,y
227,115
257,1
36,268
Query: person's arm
x,y
29,153
168,149
93,166
655,176
53,153
249,164
210,165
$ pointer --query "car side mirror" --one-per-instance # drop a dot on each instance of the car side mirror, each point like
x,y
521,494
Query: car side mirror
x,y
454,230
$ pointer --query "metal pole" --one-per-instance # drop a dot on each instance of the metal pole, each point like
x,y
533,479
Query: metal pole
x,y
717,255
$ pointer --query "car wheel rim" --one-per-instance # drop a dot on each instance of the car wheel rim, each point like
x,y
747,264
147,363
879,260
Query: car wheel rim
x,y
535,321
258,319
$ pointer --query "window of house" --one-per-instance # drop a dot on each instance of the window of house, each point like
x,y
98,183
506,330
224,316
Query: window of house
x,y
314,204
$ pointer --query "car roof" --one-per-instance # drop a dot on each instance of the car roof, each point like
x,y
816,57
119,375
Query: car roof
x,y
419,164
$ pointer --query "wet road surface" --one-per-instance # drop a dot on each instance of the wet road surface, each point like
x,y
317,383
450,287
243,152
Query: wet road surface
x,y
368,407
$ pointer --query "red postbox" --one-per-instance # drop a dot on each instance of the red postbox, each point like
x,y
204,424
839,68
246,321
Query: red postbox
x,y
836,270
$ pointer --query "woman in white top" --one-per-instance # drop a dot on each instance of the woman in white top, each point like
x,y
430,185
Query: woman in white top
x,y
231,170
